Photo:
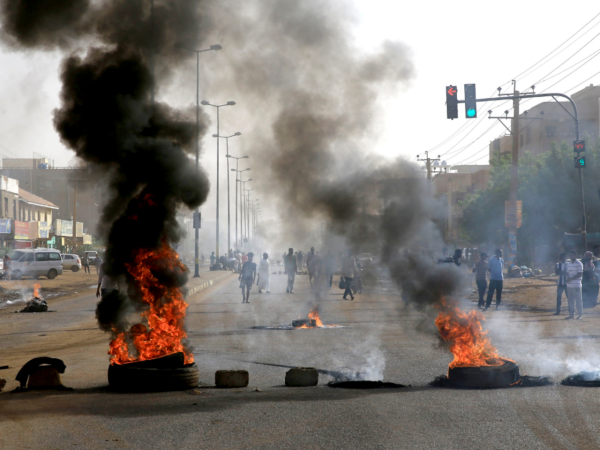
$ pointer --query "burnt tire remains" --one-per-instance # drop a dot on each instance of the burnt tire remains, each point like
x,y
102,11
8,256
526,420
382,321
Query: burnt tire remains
x,y
485,377
152,377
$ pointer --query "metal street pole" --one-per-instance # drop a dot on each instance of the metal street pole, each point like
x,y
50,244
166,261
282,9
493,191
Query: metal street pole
x,y
205,103
197,210
227,155
238,174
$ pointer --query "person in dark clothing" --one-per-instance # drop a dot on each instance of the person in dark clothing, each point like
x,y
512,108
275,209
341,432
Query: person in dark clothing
x,y
589,281
457,256
349,270
480,271
291,267
247,277
496,268
561,286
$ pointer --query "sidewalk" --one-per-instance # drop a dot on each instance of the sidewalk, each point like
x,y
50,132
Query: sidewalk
x,y
207,279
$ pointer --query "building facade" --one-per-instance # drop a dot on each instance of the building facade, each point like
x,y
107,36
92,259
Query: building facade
x,y
548,122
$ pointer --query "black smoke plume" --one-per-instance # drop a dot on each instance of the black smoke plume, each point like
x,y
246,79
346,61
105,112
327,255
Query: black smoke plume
x,y
107,117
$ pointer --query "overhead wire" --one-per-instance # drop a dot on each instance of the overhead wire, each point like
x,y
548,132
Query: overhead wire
x,y
528,71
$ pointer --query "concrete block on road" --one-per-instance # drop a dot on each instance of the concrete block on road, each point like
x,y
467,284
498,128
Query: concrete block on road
x,y
302,376
231,378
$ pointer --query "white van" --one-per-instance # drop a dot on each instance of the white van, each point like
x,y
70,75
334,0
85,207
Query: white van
x,y
34,263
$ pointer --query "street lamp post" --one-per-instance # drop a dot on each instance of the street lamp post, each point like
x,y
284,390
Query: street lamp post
x,y
227,155
205,103
237,180
243,209
197,211
248,213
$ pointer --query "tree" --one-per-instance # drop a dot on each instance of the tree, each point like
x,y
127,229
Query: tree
x,y
549,190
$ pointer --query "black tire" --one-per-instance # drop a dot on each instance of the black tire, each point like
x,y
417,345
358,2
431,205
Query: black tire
x,y
485,376
16,275
52,273
121,377
75,268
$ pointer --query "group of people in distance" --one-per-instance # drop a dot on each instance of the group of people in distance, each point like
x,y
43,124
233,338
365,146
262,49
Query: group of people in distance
x,y
320,272
578,280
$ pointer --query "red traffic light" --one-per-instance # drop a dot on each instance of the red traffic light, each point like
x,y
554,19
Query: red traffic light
x,y
579,146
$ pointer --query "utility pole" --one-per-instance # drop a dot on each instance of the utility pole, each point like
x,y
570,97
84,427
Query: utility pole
x,y
74,236
513,207
74,246
428,161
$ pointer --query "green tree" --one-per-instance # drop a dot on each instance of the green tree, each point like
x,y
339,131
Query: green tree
x,y
551,196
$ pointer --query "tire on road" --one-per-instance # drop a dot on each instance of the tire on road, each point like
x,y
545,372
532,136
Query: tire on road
x,y
75,268
52,273
485,376
143,379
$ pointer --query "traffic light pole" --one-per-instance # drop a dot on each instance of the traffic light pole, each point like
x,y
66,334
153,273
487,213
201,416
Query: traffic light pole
x,y
515,153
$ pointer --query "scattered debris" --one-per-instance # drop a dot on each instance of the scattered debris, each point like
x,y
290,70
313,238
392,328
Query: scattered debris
x,y
583,379
41,373
2,384
3,367
257,389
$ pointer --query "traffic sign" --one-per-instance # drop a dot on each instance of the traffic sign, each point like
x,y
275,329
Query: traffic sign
x,y
578,146
451,102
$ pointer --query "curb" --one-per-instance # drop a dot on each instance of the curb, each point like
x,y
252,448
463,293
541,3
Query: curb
x,y
208,283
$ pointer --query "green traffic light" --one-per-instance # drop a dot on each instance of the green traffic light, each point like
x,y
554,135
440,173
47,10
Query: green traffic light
x,y
471,112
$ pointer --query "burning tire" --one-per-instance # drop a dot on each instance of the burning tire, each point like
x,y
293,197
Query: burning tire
x,y
485,376
123,377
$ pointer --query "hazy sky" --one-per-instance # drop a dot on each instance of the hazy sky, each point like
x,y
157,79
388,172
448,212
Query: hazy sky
x,y
451,42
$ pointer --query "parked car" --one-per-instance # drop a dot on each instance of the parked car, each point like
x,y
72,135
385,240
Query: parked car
x,y
70,261
35,262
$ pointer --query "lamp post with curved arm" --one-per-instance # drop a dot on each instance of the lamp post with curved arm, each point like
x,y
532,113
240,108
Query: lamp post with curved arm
x,y
237,180
205,103
214,47
227,155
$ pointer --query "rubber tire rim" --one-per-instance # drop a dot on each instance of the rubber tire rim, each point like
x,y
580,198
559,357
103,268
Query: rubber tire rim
x,y
485,376
149,379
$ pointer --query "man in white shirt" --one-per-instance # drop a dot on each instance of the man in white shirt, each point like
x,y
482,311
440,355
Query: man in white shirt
x,y
574,271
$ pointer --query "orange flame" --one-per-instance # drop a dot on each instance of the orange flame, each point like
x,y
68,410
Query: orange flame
x,y
468,341
314,315
164,332
36,290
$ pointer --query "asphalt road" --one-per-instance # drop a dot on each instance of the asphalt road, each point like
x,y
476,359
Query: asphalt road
x,y
379,336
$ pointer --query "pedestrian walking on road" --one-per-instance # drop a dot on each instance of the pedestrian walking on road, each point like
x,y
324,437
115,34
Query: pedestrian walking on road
x,y
496,268
589,281
98,263
213,259
561,285
480,271
574,270
349,270
291,267
85,262
264,276
247,277
300,260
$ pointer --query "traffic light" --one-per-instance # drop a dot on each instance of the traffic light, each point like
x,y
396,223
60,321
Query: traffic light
x,y
580,162
452,102
578,146
470,101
